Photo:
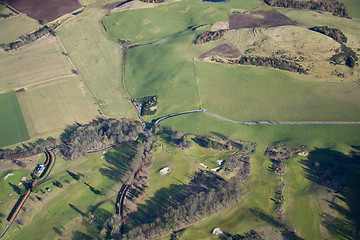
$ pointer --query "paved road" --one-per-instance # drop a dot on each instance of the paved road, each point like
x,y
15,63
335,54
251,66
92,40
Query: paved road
x,y
257,122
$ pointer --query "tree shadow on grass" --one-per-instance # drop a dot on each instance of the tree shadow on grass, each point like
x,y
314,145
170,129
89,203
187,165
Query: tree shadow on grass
x,y
286,232
340,173
173,196
96,223
118,160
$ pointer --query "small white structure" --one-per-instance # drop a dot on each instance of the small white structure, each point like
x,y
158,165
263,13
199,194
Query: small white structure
x,y
6,177
215,169
24,179
39,169
203,165
217,231
165,171
305,154
220,162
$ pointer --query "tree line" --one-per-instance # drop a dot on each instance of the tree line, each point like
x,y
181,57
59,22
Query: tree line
x,y
332,6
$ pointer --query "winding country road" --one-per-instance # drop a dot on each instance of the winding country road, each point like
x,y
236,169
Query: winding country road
x,y
256,122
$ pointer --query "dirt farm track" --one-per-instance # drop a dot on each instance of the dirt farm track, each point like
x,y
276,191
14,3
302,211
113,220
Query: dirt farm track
x,y
48,10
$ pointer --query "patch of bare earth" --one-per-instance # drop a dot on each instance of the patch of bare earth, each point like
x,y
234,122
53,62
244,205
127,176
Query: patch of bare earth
x,y
223,50
258,19
48,10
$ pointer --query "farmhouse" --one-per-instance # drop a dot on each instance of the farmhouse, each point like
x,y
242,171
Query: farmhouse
x,y
39,170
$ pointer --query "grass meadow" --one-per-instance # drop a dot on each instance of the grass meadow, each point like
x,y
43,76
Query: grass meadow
x,y
168,20
182,164
98,60
247,93
12,124
41,62
171,76
68,209
338,137
243,217
354,7
302,205
13,27
49,107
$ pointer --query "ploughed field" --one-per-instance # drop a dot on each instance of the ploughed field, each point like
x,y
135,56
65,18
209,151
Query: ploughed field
x,y
257,19
44,10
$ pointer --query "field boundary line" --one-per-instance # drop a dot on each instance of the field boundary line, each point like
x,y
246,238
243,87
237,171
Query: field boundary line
x,y
79,74
197,84
45,81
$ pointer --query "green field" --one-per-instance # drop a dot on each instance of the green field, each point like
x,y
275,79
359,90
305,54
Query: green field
x,y
182,164
168,20
338,137
171,76
41,62
354,7
13,27
302,203
49,107
246,215
68,209
98,60
9,187
246,93
12,124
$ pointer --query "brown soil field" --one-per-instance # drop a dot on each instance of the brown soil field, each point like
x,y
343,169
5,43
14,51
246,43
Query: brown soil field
x,y
258,19
48,10
223,50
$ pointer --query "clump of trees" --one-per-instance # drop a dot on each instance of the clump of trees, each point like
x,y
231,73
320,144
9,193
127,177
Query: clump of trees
x,y
223,145
99,133
334,33
148,104
332,6
239,163
78,139
205,195
210,36
267,62
346,55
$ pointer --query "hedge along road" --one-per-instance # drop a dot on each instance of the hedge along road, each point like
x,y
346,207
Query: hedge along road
x,y
254,122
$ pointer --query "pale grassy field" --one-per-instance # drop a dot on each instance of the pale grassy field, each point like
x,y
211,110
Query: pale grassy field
x,y
49,107
33,64
98,60
13,27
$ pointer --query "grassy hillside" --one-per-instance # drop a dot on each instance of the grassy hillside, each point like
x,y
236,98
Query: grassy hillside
x,y
48,108
12,124
41,62
13,27
168,20
253,93
98,60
